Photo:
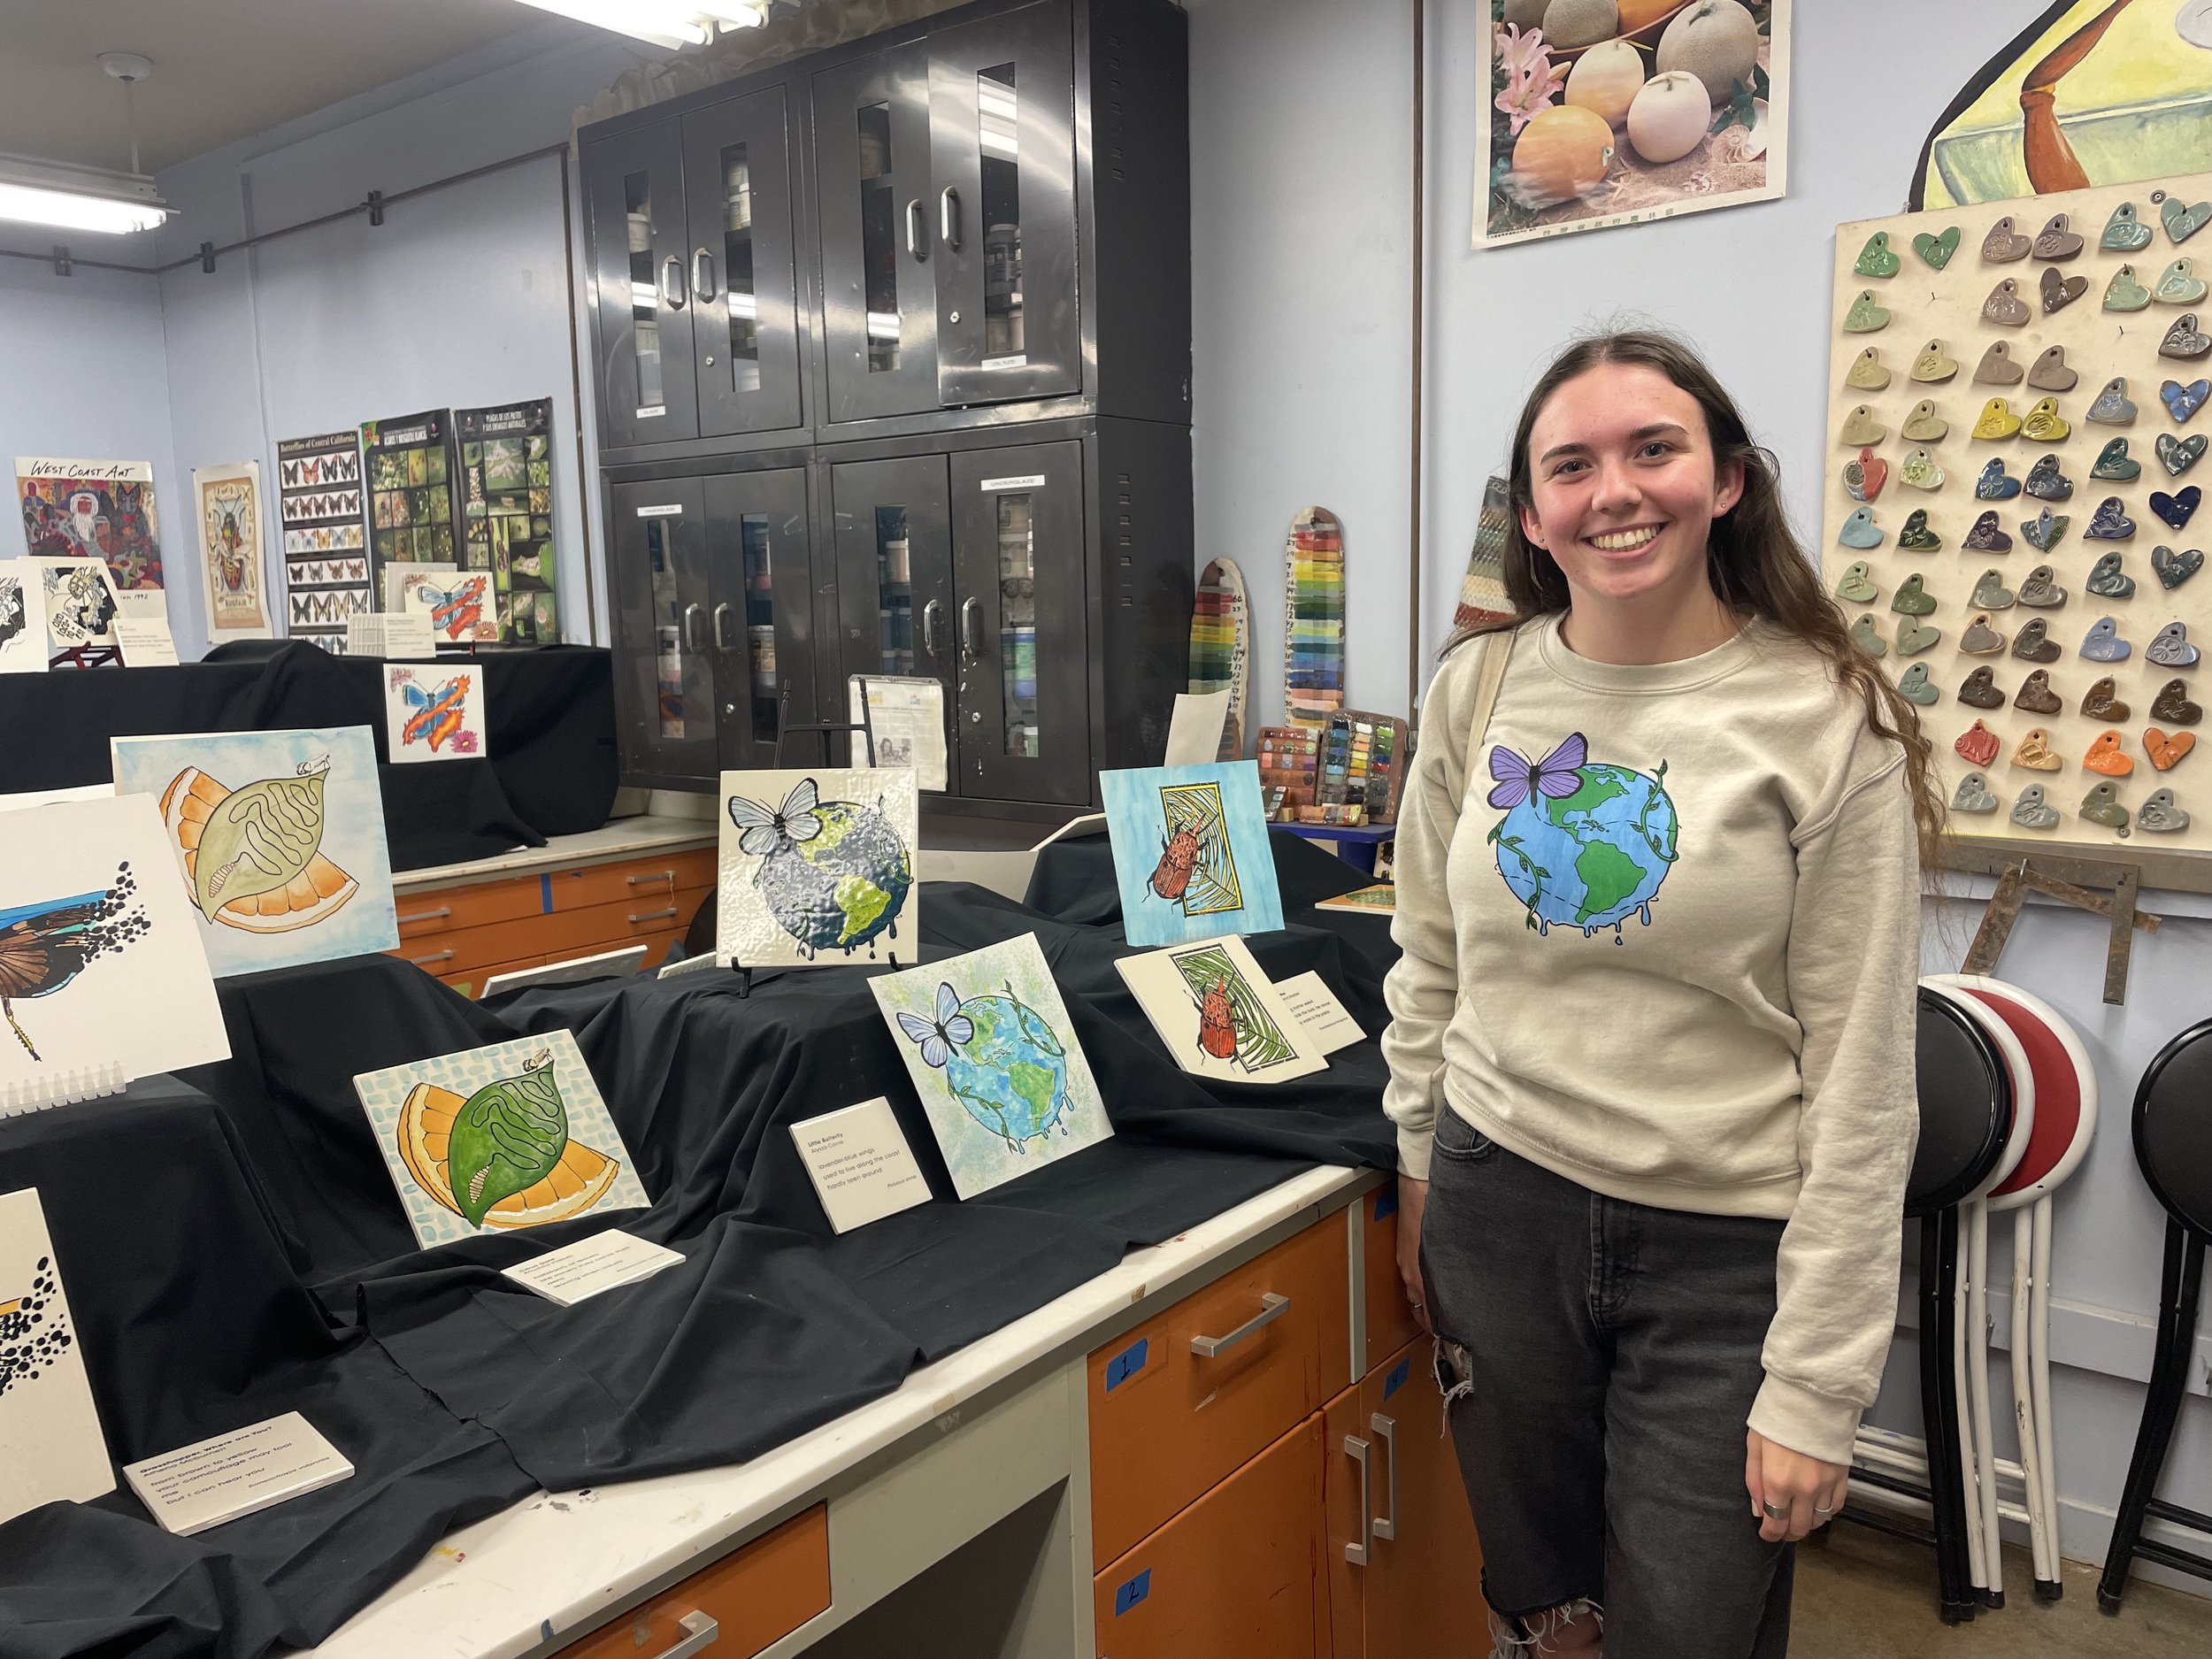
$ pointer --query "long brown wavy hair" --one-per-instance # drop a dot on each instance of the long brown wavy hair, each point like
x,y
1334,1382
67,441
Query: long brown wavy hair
x,y
1753,561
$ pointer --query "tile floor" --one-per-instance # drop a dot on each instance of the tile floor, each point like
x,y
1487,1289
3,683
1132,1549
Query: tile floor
x,y
1863,1595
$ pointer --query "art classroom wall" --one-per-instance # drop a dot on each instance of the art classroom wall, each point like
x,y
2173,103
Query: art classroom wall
x,y
1301,235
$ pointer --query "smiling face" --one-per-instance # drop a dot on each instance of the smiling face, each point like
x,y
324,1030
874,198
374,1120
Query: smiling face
x,y
1626,487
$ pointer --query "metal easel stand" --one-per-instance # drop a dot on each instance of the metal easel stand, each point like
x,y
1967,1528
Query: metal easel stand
x,y
2022,877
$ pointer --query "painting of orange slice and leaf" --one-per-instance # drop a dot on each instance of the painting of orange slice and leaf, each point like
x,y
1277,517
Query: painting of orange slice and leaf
x,y
499,1138
278,839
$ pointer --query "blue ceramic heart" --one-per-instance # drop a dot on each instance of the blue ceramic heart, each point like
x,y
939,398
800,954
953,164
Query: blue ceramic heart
x,y
2107,581
2113,405
2171,648
2044,530
1994,485
2115,463
2179,455
2104,643
2184,401
2175,510
1986,537
2046,482
2110,522
1860,531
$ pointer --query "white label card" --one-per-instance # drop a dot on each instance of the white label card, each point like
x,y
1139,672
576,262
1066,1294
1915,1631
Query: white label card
x,y
146,643
860,1163
662,509
1193,730
239,1473
603,1262
1314,1006
409,637
1027,480
651,411
1019,360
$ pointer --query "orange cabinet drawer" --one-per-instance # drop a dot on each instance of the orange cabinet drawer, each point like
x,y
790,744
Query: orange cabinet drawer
x,y
1233,1577
446,908
639,878
1169,1420
570,933
758,1596
1390,1321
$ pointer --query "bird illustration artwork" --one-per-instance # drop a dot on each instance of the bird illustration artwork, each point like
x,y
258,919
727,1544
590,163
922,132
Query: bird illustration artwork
x,y
45,946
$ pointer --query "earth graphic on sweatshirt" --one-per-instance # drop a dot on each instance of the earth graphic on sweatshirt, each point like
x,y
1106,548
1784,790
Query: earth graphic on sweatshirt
x,y
1583,843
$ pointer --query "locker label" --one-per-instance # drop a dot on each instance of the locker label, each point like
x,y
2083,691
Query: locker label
x,y
1019,360
662,509
1027,480
650,410
1127,1595
1127,1363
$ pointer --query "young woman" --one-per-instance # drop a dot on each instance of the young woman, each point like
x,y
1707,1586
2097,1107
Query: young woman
x,y
1652,1031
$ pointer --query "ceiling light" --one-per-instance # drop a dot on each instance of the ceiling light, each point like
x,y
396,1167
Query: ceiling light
x,y
78,198
667,23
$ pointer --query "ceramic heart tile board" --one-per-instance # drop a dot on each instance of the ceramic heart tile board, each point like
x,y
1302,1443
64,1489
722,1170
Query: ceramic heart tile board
x,y
1944,317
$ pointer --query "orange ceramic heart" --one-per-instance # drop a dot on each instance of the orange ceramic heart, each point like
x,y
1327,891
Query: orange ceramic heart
x,y
2166,752
2105,756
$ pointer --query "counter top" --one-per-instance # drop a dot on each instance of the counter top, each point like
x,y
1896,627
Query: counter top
x,y
514,1580
621,838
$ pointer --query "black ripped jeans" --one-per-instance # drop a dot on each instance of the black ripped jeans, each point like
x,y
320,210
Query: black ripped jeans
x,y
1611,1354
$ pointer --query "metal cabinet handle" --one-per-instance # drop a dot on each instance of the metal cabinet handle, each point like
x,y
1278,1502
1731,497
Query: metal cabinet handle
x,y
949,218
669,876
672,282
704,284
1272,1308
694,627
971,609
723,639
931,612
916,233
424,961
1386,1432
1356,1448
425,916
701,1632
653,916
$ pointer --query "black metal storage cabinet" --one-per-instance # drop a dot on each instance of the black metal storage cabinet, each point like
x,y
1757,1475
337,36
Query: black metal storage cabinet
x,y
893,378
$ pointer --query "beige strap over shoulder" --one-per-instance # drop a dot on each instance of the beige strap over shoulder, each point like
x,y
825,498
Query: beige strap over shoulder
x,y
1497,649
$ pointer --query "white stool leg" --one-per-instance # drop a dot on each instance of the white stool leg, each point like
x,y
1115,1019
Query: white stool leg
x,y
1970,1460
2039,1326
2024,1391
1976,1325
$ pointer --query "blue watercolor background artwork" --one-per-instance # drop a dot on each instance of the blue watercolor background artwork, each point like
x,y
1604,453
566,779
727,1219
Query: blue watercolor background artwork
x,y
1191,852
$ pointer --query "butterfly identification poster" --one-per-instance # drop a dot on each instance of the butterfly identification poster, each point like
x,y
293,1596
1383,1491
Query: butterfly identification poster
x,y
100,957
512,1135
1191,852
47,1421
817,866
319,503
992,1055
277,839
432,714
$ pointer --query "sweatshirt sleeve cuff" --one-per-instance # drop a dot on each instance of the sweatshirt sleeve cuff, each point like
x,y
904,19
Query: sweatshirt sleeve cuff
x,y
1413,1152
1814,1424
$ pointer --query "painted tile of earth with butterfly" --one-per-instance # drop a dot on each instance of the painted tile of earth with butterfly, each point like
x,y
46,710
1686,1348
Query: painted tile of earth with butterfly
x,y
1583,843
834,874
1001,1060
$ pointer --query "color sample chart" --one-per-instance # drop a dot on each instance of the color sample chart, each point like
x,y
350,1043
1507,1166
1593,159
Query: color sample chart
x,y
1290,759
1314,641
1361,768
1221,648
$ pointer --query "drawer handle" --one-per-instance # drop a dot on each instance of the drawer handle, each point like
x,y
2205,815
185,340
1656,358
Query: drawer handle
x,y
669,876
1356,1448
426,915
1386,1432
653,915
424,961
1272,1308
701,1632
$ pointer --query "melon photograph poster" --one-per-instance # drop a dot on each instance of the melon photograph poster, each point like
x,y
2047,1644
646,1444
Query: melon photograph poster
x,y
1597,113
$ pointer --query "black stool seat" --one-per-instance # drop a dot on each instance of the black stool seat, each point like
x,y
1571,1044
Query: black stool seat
x,y
1965,1106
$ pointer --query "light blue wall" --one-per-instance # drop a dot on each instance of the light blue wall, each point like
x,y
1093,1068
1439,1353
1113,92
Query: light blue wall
x,y
1300,190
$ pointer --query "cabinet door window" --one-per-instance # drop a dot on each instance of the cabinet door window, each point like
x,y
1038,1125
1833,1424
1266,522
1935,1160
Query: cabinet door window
x,y
742,302
894,592
879,238
1018,625
760,624
667,629
998,116
637,201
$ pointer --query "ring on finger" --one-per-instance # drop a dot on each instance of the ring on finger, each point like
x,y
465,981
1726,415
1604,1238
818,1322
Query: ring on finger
x,y
1818,1511
1777,1511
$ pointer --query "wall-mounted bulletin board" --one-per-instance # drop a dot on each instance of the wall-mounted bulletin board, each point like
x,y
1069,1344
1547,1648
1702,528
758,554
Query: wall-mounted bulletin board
x,y
1993,364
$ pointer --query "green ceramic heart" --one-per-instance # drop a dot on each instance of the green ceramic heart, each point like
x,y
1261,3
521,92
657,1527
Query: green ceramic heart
x,y
2124,293
1865,315
1858,585
1936,250
1876,259
1913,637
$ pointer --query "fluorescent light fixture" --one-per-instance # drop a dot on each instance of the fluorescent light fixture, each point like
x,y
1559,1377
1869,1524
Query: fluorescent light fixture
x,y
665,23
78,198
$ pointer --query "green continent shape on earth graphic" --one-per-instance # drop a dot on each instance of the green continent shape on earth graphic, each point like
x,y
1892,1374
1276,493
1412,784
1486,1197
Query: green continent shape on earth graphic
x,y
1608,876
1011,1075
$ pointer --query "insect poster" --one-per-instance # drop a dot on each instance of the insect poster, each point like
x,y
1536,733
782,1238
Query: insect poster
x,y
22,618
97,509
100,957
408,462
320,501
79,605
817,867
432,714
1191,852
507,513
1219,1014
512,1135
460,604
277,839
987,1041
48,1422
229,502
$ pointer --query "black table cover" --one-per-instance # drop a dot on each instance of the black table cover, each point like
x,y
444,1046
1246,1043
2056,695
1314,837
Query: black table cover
x,y
549,718
249,1256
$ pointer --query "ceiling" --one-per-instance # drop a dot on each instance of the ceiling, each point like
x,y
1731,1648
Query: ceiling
x,y
223,69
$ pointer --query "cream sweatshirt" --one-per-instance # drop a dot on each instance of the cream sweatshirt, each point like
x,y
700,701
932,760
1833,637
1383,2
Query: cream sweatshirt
x,y
1660,928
